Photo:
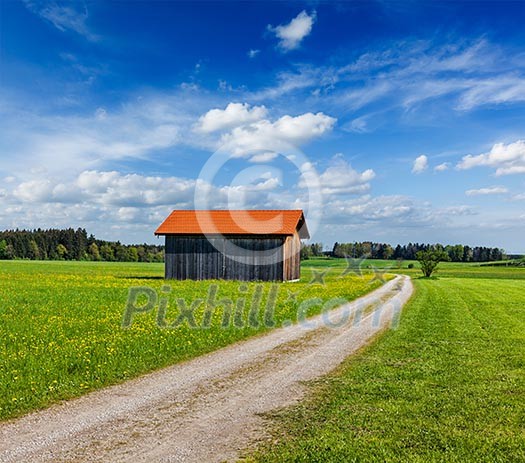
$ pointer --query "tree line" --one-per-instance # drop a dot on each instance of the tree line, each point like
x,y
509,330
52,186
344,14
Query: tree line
x,y
455,253
71,244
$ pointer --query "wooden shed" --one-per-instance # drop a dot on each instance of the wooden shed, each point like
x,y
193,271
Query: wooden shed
x,y
245,245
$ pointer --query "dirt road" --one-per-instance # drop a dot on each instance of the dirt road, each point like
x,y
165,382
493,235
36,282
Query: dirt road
x,y
207,409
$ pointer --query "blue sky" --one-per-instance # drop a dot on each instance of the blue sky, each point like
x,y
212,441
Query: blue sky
x,y
385,121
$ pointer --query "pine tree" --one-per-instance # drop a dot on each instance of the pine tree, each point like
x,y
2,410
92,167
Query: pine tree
x,y
3,249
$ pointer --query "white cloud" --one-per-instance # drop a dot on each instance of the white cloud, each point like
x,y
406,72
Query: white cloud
x,y
368,208
107,189
442,167
249,193
64,18
246,131
264,157
128,214
457,211
358,125
420,164
473,74
356,98
341,178
290,35
465,76
265,136
133,191
495,190
304,127
234,115
253,53
288,82
63,147
68,145
392,212
106,200
429,88
502,89
505,158
34,190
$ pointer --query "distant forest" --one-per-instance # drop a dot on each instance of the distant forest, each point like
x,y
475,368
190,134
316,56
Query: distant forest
x,y
456,253
71,244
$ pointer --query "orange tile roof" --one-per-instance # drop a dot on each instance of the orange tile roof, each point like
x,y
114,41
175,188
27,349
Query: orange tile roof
x,y
234,222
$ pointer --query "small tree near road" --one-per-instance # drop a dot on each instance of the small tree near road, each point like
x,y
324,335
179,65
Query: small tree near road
x,y
430,259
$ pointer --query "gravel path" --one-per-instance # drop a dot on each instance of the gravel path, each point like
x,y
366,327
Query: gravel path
x,y
207,409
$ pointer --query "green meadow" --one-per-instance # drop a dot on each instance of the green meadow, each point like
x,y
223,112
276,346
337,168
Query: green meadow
x,y
61,322
448,385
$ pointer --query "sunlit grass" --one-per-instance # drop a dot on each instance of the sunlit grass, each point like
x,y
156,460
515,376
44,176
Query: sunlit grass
x,y
447,386
60,323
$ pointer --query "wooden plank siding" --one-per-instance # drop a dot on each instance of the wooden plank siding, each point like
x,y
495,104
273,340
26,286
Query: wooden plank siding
x,y
292,257
198,257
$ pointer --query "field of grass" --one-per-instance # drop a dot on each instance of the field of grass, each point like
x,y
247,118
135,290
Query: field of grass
x,y
61,334
447,386
445,269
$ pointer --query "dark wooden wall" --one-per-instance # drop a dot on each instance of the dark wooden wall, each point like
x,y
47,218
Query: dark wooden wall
x,y
202,258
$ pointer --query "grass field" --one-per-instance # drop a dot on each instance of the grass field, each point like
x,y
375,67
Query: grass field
x,y
61,334
445,269
447,386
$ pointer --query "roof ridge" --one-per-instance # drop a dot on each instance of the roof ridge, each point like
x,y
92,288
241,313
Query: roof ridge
x,y
231,222
237,210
